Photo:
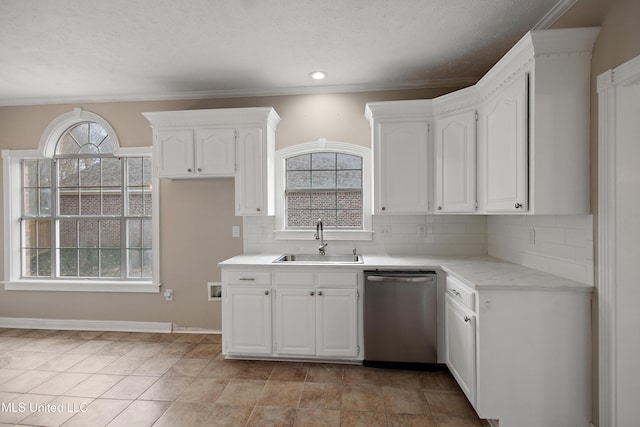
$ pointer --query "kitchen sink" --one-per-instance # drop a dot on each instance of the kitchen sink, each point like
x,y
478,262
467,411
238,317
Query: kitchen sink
x,y
317,258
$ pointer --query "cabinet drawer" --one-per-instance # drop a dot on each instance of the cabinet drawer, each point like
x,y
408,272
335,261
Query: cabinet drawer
x,y
249,278
346,279
294,278
461,292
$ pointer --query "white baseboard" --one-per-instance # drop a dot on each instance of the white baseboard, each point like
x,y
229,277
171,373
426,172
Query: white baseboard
x,y
192,330
85,325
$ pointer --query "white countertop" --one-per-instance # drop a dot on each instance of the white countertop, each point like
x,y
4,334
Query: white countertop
x,y
477,272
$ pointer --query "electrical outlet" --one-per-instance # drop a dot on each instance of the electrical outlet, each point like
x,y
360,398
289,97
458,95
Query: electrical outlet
x,y
422,230
532,236
235,231
385,230
168,295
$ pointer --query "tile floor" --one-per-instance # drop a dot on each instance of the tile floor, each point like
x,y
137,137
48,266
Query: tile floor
x,y
85,378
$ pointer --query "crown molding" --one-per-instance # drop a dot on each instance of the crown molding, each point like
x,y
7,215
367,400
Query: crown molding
x,y
554,14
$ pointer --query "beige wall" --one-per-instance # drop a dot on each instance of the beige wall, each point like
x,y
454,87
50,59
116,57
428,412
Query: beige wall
x,y
189,253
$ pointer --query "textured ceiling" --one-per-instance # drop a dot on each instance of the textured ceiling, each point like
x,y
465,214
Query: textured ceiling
x,y
81,50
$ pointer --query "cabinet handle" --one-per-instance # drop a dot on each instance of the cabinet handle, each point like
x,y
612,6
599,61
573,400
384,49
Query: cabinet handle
x,y
518,205
257,209
466,319
312,293
439,208
266,292
384,209
247,278
189,170
199,169
319,293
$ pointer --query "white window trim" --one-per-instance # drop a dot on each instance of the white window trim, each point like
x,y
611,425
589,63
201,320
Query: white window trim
x,y
322,145
12,198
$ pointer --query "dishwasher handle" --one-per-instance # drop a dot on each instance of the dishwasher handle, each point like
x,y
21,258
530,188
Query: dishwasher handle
x,y
404,279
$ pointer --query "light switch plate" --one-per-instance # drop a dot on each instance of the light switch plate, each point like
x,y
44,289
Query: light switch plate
x,y
235,231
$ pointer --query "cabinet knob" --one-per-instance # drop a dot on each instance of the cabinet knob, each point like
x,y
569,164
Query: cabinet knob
x,y
312,293
199,169
319,293
439,208
257,209
266,292
384,209
518,205
466,319
189,170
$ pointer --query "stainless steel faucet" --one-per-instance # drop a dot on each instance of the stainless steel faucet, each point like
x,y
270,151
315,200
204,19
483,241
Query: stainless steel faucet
x,y
320,236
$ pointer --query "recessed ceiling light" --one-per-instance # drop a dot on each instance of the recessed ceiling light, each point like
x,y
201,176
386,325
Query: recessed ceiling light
x,y
318,75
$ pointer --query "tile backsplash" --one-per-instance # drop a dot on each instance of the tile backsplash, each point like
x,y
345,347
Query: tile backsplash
x,y
435,235
558,244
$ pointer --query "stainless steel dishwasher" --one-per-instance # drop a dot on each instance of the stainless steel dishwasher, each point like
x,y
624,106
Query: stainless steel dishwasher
x,y
400,318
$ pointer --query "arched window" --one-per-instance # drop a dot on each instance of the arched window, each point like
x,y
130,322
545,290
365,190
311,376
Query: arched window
x,y
85,208
328,181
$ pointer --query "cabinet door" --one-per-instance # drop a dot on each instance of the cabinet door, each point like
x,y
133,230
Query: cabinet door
x,y
455,154
506,126
216,152
460,339
251,179
249,320
337,322
175,151
295,321
401,167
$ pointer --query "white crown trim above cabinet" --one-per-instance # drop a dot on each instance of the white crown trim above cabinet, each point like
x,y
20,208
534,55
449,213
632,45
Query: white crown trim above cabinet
x,y
231,142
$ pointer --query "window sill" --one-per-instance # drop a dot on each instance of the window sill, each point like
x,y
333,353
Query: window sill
x,y
83,286
328,234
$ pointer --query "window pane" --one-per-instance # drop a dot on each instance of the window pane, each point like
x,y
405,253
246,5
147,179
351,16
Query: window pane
x,y
44,263
110,233
298,180
89,202
88,262
68,232
89,172
89,149
148,201
147,171
134,171
134,263
350,200
31,204
349,179
146,233
30,173
80,133
349,218
45,173
301,162
68,259
323,161
45,201
147,263
323,179
136,202
134,233
29,262
323,200
348,161
96,134
299,218
110,263
106,146
44,234
329,217
298,200
111,172
88,233
30,234
112,202
68,172
69,202
67,145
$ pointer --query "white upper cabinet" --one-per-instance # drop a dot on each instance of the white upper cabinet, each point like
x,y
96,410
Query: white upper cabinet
x,y
506,158
231,142
401,153
455,158
535,119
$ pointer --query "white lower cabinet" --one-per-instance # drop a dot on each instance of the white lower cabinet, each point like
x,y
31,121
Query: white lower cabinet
x,y
248,320
314,314
460,339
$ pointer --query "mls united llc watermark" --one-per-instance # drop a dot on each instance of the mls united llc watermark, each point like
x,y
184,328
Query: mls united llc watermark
x,y
22,407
